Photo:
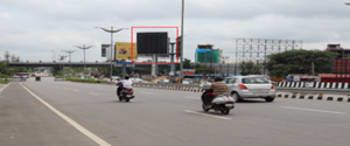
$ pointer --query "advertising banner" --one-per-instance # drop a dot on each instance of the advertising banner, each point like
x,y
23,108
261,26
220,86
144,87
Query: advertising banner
x,y
123,51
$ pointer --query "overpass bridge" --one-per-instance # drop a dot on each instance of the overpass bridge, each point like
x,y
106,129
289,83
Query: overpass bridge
x,y
61,64
145,68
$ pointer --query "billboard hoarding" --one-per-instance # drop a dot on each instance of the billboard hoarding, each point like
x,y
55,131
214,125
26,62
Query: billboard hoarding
x,y
152,43
132,34
123,51
104,48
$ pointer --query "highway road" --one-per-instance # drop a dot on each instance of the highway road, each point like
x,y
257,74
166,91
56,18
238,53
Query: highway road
x,y
49,113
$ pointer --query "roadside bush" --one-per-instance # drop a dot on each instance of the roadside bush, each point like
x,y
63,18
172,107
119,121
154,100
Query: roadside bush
x,y
58,76
86,80
5,80
4,76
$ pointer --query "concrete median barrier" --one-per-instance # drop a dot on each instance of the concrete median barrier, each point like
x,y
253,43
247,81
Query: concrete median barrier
x,y
295,94
175,87
314,97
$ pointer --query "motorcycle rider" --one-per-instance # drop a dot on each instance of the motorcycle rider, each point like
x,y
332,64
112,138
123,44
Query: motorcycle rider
x,y
126,83
218,88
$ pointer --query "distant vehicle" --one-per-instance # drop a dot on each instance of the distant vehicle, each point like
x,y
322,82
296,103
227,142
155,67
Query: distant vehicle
x,y
22,74
37,78
243,87
302,78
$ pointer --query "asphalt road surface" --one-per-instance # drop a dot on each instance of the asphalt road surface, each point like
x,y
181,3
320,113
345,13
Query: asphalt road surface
x,y
49,113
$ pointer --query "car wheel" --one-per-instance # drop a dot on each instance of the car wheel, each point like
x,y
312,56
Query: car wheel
x,y
269,99
235,96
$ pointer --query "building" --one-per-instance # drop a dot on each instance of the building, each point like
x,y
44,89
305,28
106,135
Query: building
x,y
338,49
341,66
206,54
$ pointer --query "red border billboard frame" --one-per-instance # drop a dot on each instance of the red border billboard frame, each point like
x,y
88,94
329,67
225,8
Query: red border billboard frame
x,y
132,44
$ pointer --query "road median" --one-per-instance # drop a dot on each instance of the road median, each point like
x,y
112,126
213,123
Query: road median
x,y
94,81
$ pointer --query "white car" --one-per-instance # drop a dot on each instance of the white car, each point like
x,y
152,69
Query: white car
x,y
242,87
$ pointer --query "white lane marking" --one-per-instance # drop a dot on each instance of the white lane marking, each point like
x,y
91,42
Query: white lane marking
x,y
312,110
76,125
3,88
207,115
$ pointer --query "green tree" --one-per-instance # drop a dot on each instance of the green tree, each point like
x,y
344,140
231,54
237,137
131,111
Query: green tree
x,y
300,62
187,64
204,69
3,68
250,68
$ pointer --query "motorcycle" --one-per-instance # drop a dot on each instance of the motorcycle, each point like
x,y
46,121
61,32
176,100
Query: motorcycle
x,y
222,103
125,94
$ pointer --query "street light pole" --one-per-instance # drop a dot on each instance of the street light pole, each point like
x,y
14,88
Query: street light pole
x,y
84,48
111,46
182,38
112,30
69,52
346,69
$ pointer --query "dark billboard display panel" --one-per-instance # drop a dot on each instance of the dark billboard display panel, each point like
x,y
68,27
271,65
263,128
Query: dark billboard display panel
x,y
104,48
152,43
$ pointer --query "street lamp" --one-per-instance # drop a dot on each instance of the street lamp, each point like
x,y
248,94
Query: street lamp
x,y
69,52
62,57
84,48
182,38
112,30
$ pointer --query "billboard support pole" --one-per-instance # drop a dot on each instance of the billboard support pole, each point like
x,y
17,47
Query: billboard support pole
x,y
124,69
153,66
156,65
111,70
172,53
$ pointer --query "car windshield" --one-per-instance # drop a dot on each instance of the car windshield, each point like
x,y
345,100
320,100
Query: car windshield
x,y
255,80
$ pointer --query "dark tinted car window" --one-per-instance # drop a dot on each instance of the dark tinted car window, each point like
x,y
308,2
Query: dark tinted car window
x,y
230,80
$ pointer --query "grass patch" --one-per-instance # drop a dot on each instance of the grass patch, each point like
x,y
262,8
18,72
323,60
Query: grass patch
x,y
5,80
59,76
86,80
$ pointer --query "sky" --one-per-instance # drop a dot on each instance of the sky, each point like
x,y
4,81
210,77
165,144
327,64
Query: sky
x,y
40,30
